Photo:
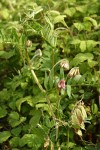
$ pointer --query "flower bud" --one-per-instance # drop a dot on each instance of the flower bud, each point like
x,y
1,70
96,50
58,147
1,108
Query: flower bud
x,y
38,53
29,43
65,64
73,72
61,84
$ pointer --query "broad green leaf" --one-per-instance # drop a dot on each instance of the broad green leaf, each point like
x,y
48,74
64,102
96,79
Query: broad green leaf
x,y
81,8
94,108
54,13
35,11
43,106
79,26
39,98
53,96
93,21
4,135
27,99
71,144
79,58
14,142
15,123
69,90
4,13
35,119
14,115
16,131
60,18
31,140
6,55
2,53
70,11
75,41
4,95
92,63
77,78
91,44
83,46
3,112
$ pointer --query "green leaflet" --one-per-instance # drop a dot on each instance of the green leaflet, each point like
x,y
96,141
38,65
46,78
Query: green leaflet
x,y
4,135
3,112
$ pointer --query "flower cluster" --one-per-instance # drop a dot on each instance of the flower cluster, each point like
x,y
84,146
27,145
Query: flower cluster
x,y
72,73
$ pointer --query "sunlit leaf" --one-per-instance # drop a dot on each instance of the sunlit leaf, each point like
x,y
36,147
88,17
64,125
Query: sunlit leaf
x,y
93,21
83,46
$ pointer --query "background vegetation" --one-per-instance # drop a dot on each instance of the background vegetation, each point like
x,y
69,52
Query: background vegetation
x,y
50,75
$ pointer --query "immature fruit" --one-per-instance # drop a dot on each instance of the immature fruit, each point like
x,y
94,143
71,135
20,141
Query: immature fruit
x,y
78,117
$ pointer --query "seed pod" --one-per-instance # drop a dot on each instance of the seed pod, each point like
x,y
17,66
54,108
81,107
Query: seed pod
x,y
79,115
84,115
74,120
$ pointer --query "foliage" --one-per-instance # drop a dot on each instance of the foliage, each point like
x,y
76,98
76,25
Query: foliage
x,y
49,90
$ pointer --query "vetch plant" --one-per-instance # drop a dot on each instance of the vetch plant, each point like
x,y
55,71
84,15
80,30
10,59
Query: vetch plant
x,y
49,54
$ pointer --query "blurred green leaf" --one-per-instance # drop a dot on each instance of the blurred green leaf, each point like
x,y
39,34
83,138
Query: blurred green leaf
x,y
35,118
27,99
83,46
14,142
3,112
4,135
69,90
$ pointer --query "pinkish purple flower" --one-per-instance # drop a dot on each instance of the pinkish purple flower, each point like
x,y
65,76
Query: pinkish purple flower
x,y
61,84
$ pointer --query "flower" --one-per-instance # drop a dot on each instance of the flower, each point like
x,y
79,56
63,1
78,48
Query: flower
x,y
64,64
61,84
73,72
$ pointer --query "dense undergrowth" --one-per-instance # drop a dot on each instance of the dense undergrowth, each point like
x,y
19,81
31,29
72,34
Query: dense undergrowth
x,y
49,75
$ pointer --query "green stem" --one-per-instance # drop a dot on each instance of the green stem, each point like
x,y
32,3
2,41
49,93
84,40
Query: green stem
x,y
68,138
33,73
37,81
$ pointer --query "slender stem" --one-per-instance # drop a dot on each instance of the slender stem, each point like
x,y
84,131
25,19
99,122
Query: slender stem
x,y
37,81
33,73
68,138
